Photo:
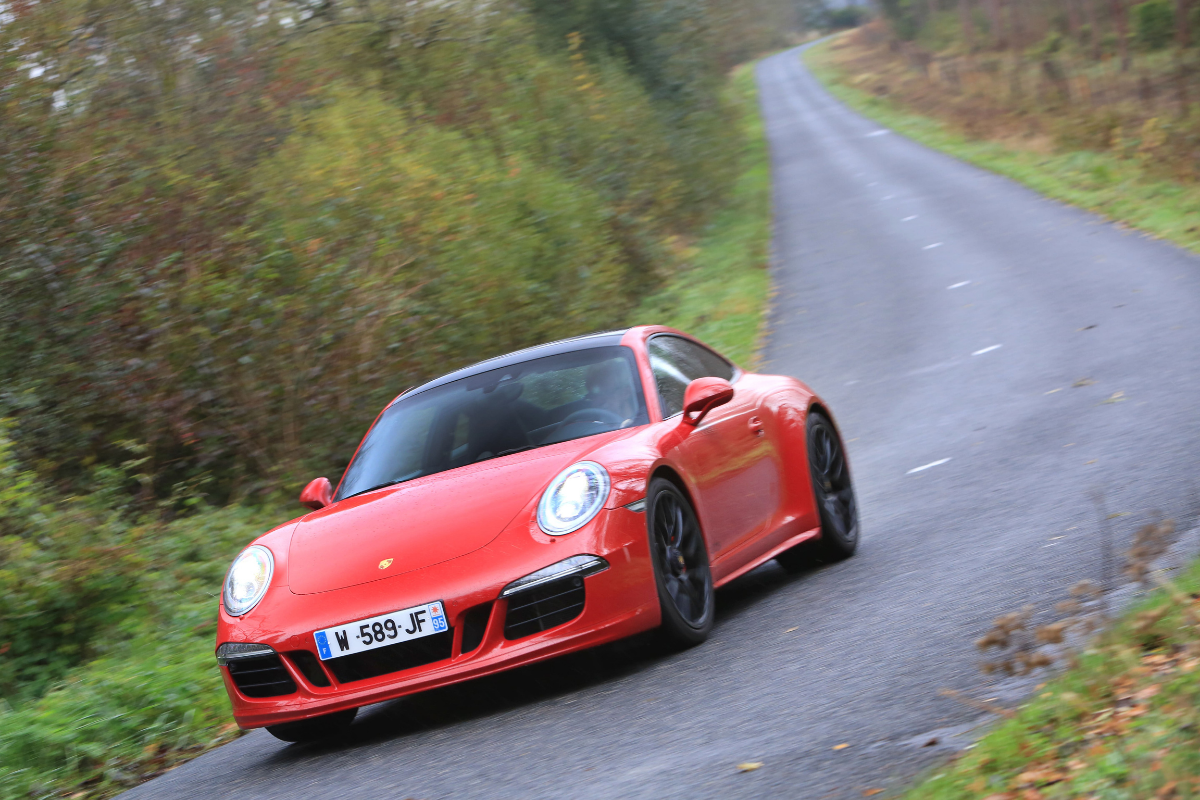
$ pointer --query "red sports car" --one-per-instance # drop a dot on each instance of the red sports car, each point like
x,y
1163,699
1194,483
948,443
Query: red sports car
x,y
531,505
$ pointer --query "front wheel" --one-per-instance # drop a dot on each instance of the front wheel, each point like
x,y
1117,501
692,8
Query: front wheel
x,y
315,729
681,572
834,496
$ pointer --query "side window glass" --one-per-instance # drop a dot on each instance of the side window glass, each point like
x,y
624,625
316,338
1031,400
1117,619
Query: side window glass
x,y
677,362
670,380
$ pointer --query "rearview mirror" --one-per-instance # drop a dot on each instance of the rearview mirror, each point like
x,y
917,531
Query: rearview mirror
x,y
318,494
702,396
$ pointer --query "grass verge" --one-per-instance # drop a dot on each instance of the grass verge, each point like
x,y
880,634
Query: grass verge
x,y
151,697
721,295
1122,189
1123,722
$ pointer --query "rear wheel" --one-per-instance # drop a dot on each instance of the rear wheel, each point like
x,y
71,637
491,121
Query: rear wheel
x,y
315,729
834,496
681,572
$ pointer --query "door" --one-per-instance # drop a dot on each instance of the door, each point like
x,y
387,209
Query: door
x,y
727,456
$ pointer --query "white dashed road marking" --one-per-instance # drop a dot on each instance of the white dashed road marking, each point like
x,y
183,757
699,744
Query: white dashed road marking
x,y
987,349
937,463
958,285
931,246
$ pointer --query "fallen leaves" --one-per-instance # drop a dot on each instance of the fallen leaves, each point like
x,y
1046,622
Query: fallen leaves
x,y
1040,776
749,766
841,746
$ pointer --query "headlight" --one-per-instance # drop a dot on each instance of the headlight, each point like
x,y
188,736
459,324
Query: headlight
x,y
573,498
248,579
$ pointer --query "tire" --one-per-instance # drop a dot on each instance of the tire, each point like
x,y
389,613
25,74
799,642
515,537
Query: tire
x,y
681,569
315,729
833,495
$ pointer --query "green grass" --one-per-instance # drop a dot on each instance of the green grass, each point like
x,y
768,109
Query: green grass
x,y
152,695
1122,189
721,295
1124,722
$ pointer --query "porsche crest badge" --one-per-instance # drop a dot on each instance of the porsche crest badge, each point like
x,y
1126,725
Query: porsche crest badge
x,y
387,562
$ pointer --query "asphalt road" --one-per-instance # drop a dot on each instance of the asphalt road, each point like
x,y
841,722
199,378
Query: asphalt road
x,y
945,313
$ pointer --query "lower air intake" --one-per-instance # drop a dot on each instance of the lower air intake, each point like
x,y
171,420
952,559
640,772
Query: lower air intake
x,y
261,676
393,658
542,607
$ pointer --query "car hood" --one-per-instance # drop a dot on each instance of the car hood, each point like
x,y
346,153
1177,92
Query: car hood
x,y
421,522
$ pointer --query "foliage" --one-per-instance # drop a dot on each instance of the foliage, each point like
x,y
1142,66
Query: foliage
x,y
231,236
1154,23
1116,182
74,570
106,625
720,291
848,17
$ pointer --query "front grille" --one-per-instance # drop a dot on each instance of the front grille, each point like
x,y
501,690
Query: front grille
x,y
542,607
474,626
393,658
261,676
309,667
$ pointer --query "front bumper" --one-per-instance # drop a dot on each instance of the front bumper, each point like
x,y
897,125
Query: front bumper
x,y
617,602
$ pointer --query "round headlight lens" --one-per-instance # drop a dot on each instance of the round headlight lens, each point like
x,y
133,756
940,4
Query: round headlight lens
x,y
573,498
248,579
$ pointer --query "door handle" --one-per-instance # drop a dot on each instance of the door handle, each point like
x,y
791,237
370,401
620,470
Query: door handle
x,y
756,426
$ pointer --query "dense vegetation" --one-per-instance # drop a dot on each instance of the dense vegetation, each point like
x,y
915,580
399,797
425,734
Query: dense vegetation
x,y
232,232
1096,75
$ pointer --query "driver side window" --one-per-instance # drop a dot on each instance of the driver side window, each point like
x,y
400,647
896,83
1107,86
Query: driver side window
x,y
676,362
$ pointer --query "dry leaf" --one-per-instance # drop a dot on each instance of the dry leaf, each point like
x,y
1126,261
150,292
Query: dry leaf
x,y
841,746
749,766
869,792
789,630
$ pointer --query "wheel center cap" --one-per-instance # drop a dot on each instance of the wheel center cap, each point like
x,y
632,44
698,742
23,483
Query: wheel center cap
x,y
675,561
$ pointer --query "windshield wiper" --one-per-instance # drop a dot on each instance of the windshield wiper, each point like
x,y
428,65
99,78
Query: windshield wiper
x,y
383,485
521,449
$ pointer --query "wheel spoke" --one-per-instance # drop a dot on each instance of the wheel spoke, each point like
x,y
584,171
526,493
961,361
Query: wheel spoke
x,y
682,562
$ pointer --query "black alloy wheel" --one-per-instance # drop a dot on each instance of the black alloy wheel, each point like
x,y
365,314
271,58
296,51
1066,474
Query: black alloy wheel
x,y
316,729
681,571
833,493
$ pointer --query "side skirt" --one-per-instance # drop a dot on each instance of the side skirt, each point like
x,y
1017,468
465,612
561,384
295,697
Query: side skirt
x,y
787,544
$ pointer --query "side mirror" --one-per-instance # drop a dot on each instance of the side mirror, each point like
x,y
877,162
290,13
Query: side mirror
x,y
318,494
702,396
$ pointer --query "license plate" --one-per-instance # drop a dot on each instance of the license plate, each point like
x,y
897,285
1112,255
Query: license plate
x,y
367,634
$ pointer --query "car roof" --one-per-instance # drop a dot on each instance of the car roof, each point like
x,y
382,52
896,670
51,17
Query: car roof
x,y
602,339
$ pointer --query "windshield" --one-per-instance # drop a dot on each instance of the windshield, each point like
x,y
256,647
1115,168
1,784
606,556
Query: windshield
x,y
496,413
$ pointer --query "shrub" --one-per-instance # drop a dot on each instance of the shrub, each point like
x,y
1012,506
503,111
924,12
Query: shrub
x,y
1154,23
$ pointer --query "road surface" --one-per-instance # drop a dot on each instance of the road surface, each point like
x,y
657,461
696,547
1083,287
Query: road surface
x,y
994,359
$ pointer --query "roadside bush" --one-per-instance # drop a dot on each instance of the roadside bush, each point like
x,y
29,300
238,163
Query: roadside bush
x,y
1154,23
205,260
64,573
79,576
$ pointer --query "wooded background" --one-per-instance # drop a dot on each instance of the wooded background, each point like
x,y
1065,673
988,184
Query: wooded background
x,y
232,231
